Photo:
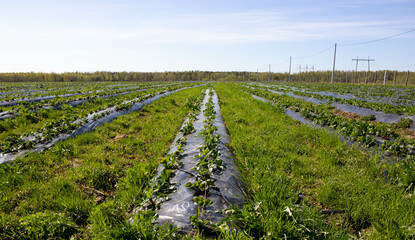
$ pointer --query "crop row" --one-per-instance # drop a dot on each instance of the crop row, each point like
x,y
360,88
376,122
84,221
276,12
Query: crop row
x,y
208,162
404,97
53,128
159,188
33,92
88,186
377,106
53,100
58,102
362,91
306,183
12,87
45,116
65,125
29,121
384,107
361,129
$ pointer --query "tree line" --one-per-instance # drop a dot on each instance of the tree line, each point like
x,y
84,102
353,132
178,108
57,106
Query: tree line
x,y
375,77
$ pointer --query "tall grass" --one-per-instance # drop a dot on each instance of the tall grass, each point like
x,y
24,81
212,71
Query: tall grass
x,y
86,187
282,160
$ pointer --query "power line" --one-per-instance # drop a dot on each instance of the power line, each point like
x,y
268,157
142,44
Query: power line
x,y
346,45
279,64
376,40
315,54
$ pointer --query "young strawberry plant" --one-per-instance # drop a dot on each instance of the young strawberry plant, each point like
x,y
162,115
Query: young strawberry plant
x,y
209,162
361,130
161,186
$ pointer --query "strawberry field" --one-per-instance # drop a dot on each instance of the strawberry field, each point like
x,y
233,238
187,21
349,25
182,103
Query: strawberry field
x,y
202,160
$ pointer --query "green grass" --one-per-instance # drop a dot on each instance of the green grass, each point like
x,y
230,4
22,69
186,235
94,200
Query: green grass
x,y
90,187
280,157
33,122
87,187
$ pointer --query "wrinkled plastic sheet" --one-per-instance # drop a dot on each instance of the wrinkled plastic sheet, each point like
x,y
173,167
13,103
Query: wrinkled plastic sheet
x,y
380,116
375,150
387,100
180,206
89,126
38,99
7,114
308,99
22,92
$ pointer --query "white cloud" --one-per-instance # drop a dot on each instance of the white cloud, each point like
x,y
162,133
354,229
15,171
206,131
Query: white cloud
x,y
240,27
261,26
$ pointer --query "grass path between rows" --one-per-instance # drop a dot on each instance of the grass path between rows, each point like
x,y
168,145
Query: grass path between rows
x,y
87,187
279,158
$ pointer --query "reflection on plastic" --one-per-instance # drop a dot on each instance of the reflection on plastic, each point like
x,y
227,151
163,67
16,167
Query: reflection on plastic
x,y
180,206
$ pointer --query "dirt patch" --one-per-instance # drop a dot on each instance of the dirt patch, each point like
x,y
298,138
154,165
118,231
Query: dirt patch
x,y
118,137
407,133
348,115
76,163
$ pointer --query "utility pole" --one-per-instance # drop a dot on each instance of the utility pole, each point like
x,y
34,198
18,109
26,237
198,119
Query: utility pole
x,y
269,72
289,72
357,62
355,71
368,64
368,67
334,63
384,79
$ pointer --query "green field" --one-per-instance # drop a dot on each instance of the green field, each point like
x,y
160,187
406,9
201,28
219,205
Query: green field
x,y
100,160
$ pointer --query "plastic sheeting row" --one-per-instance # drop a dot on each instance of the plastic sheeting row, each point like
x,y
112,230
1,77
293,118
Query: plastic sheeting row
x,y
228,191
89,126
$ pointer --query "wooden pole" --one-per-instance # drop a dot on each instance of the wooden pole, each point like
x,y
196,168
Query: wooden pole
x,y
368,63
407,78
357,75
334,63
384,79
289,72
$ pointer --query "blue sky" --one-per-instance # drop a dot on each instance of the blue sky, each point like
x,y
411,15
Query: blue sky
x,y
217,35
